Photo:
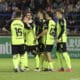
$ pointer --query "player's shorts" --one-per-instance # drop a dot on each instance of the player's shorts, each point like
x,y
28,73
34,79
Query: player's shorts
x,y
61,47
41,48
48,48
18,49
32,49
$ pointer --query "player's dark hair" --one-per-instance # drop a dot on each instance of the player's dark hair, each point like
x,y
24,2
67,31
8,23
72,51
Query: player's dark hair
x,y
26,12
59,10
18,14
50,14
41,11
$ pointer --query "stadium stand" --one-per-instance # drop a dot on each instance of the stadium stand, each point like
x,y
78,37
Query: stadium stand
x,y
71,8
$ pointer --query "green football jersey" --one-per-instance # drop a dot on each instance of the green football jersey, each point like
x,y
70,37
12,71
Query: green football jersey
x,y
48,38
63,37
17,32
30,37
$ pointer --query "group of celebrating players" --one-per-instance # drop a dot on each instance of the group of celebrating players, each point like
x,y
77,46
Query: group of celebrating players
x,y
38,36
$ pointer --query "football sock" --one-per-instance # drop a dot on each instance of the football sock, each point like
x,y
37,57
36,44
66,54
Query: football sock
x,y
16,61
45,64
67,59
37,61
26,59
60,59
50,65
22,60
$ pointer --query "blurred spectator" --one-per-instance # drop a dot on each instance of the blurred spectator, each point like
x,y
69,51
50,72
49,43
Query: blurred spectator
x,y
78,6
14,12
71,9
73,1
58,3
49,6
3,6
24,4
36,4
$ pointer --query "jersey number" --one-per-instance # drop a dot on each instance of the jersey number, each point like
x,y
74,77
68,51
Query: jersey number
x,y
18,31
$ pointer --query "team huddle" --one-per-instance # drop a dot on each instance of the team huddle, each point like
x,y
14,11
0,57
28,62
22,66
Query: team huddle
x,y
38,36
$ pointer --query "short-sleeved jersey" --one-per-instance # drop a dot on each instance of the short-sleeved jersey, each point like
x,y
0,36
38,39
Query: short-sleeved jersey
x,y
17,32
40,26
48,38
61,30
30,35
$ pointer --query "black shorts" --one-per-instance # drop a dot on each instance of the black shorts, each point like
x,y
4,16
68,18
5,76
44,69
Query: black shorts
x,y
61,47
48,48
41,48
32,49
18,49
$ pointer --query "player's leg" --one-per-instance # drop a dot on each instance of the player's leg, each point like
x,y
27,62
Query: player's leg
x,y
16,58
66,57
22,59
34,50
68,62
41,56
37,63
26,58
42,61
60,57
49,57
60,61
37,58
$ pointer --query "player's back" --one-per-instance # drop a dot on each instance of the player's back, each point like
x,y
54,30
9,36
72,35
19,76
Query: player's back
x,y
17,32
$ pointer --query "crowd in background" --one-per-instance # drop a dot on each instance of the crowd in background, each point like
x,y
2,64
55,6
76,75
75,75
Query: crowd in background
x,y
71,9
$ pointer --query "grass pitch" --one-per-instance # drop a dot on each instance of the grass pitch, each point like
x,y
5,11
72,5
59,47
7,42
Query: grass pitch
x,y
6,72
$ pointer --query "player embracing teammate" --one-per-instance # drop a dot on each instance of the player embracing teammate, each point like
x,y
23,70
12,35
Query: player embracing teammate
x,y
38,37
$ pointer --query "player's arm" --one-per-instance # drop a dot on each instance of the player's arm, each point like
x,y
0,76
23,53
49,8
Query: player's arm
x,y
42,33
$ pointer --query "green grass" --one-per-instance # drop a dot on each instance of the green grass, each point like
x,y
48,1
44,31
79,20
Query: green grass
x,y
6,72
